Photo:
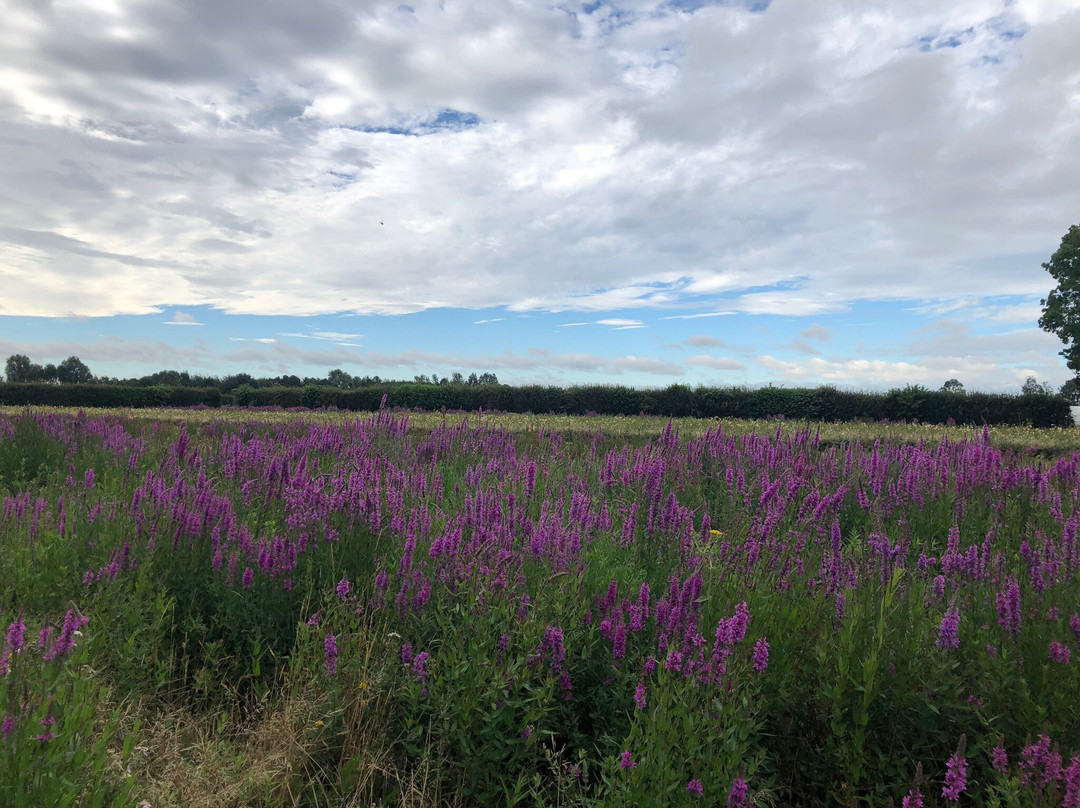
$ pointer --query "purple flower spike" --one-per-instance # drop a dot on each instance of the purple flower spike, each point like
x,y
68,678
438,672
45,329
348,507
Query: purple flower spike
x,y
913,799
761,655
1072,784
330,653
695,787
627,761
1001,760
955,778
737,795
343,588
949,632
1059,653
16,635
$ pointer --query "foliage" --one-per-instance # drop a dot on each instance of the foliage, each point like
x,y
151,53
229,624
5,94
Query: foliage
x,y
1061,307
457,613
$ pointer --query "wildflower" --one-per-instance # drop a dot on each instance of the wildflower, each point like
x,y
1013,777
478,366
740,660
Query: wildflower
x,y
343,588
330,653
16,634
248,577
1072,784
406,653
955,777
315,619
8,726
1039,760
1059,653
913,799
63,645
419,665
695,787
639,696
761,655
737,795
1001,760
1008,607
949,631
627,760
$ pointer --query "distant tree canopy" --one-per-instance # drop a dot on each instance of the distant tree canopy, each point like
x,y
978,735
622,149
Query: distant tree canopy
x,y
1061,308
953,386
20,369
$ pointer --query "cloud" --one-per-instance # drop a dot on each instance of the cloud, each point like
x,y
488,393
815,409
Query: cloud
x,y
716,362
182,318
617,323
816,331
491,320
705,341
338,337
785,159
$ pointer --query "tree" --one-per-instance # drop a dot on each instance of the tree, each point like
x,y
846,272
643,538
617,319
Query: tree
x,y
73,371
1031,387
1070,391
953,386
1061,308
19,369
339,378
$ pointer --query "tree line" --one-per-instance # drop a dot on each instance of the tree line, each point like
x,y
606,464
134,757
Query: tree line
x,y
20,369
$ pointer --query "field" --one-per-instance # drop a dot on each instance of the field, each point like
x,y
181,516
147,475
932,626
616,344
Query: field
x,y
252,608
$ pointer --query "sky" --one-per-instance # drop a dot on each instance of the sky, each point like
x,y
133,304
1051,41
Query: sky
x,y
849,192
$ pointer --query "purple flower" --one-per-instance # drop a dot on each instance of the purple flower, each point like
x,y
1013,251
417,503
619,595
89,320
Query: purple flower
x,y
247,577
66,641
9,725
1038,762
406,653
639,696
16,634
695,787
315,619
552,646
737,796
913,799
419,665
330,653
955,778
627,761
1008,607
1074,624
1072,784
1059,653
343,588
761,655
949,631
1001,760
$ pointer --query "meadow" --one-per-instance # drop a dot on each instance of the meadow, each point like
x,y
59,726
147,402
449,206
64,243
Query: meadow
x,y
258,608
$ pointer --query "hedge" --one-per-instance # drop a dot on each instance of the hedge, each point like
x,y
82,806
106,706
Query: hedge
x,y
801,403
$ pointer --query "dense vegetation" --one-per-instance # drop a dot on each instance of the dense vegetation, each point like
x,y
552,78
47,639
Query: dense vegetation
x,y
1036,407
353,612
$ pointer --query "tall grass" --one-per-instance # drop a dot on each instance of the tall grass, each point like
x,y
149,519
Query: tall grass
x,y
288,611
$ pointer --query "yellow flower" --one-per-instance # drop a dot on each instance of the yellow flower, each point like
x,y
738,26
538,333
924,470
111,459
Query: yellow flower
x,y
716,532
319,724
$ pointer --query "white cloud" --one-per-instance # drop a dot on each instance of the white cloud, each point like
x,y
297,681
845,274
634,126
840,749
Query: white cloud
x,y
384,158
705,341
181,318
716,362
